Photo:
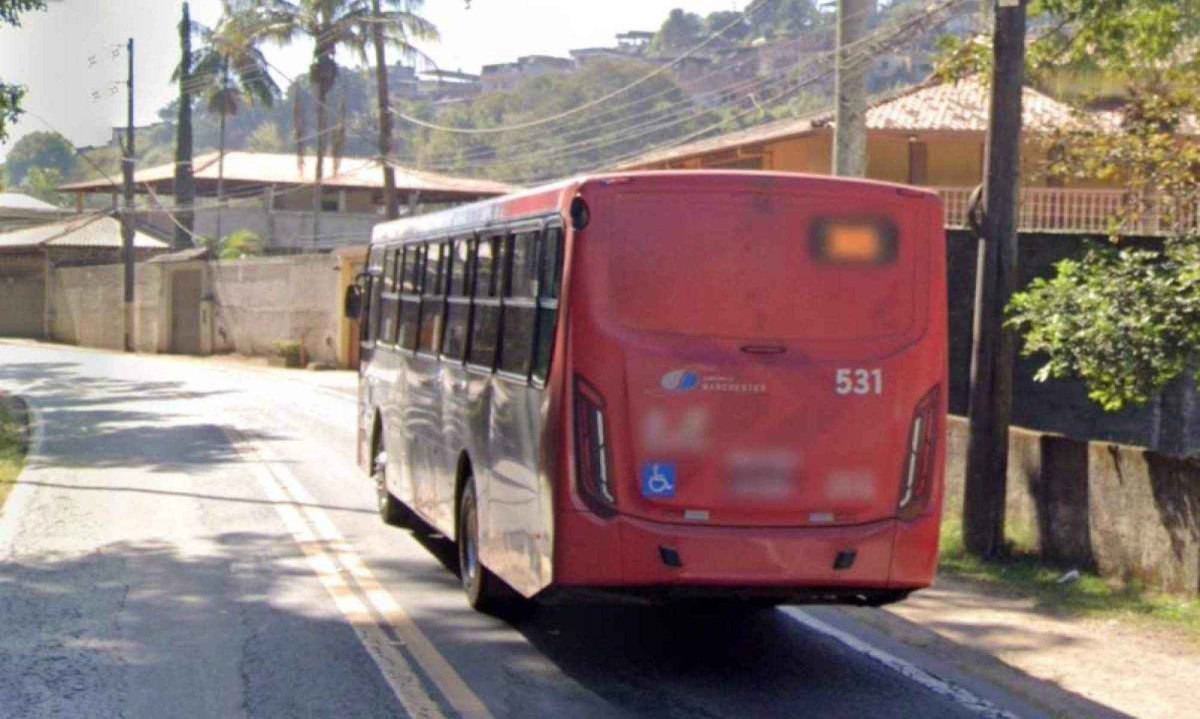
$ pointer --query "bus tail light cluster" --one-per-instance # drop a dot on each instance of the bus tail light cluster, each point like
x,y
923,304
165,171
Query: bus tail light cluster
x,y
593,465
917,487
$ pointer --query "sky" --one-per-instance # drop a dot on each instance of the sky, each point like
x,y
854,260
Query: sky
x,y
71,58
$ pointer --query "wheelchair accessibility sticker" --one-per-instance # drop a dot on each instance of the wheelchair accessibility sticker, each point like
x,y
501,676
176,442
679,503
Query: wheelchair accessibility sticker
x,y
658,480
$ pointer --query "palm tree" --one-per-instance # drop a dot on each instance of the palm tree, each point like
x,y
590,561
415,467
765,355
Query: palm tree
x,y
230,71
334,25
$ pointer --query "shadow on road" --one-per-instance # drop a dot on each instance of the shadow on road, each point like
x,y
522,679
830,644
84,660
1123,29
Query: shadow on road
x,y
139,629
693,661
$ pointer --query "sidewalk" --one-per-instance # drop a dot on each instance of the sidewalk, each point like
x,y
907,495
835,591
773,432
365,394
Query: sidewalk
x,y
1117,663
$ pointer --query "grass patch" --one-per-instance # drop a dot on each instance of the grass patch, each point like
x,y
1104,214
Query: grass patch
x,y
1023,574
12,451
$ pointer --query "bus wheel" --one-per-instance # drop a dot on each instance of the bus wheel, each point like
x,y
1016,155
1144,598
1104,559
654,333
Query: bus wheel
x,y
391,510
485,591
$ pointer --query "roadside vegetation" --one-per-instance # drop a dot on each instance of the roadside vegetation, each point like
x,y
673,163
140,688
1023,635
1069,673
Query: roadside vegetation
x,y
1021,573
12,451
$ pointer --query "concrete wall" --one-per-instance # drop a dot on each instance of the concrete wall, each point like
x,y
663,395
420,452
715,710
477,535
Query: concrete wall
x,y
260,301
22,293
86,306
1124,511
1060,406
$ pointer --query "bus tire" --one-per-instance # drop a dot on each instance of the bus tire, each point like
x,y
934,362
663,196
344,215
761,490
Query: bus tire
x,y
484,590
391,510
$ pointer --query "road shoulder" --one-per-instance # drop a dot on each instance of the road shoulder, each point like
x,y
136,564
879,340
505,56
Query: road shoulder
x,y
1065,665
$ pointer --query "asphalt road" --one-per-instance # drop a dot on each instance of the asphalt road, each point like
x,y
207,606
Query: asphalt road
x,y
193,539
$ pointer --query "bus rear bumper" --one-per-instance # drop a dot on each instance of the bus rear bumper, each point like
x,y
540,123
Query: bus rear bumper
x,y
888,556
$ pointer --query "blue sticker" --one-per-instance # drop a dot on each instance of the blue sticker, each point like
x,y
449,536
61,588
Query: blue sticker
x,y
679,380
658,480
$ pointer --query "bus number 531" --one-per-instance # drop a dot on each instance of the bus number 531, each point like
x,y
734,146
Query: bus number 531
x,y
858,381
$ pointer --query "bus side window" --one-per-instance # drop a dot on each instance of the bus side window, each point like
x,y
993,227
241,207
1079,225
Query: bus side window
x,y
374,268
387,303
410,299
520,303
433,302
485,322
549,285
458,310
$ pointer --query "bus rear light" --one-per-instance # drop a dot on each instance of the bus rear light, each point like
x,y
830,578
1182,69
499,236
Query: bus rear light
x,y
917,486
592,454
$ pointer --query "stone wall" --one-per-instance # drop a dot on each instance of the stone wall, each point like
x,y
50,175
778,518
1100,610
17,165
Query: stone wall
x,y
260,301
1123,511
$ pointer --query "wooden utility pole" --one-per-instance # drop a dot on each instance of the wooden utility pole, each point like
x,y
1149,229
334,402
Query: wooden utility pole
x,y
850,79
990,409
127,229
185,184
391,207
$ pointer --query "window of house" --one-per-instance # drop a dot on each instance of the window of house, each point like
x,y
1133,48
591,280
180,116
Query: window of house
x,y
458,303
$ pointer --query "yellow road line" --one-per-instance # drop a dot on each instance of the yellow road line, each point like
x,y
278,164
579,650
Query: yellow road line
x,y
332,559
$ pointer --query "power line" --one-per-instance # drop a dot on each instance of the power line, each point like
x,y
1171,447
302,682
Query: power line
x,y
750,10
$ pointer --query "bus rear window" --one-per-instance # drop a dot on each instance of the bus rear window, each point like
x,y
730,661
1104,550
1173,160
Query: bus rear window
x,y
762,266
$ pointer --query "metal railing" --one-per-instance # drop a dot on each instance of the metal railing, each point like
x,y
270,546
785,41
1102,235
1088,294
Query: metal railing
x,y
1080,211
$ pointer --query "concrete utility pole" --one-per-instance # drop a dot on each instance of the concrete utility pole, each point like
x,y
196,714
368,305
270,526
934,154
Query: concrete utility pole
x,y
850,78
990,408
185,184
127,249
385,116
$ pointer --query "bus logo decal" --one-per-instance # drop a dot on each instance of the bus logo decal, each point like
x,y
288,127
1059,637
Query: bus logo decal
x,y
658,480
680,380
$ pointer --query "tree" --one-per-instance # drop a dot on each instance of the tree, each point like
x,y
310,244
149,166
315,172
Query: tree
x,y
395,33
680,31
39,149
230,72
266,138
242,243
334,25
10,95
43,183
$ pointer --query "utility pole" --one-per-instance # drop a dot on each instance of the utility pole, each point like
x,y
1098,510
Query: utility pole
x,y
185,184
391,208
127,230
990,408
850,79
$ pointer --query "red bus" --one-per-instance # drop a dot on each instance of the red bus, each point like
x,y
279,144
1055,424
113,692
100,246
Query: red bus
x,y
665,385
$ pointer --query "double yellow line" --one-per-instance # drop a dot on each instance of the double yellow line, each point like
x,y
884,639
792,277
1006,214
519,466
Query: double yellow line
x,y
423,681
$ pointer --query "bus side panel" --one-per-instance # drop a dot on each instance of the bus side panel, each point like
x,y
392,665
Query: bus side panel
x,y
423,433
516,525
389,396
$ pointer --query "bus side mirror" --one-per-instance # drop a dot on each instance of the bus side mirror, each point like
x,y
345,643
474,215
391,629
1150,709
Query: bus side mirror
x,y
353,302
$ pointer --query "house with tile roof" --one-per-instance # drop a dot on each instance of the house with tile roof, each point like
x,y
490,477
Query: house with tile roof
x,y
28,257
933,135
272,195
19,210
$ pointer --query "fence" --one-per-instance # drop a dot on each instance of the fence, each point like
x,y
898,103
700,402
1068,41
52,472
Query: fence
x,y
1076,211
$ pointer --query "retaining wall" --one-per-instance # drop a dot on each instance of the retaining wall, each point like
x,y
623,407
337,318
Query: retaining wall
x,y
1123,511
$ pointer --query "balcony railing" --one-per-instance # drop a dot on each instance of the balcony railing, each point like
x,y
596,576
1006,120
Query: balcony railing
x,y
1052,209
